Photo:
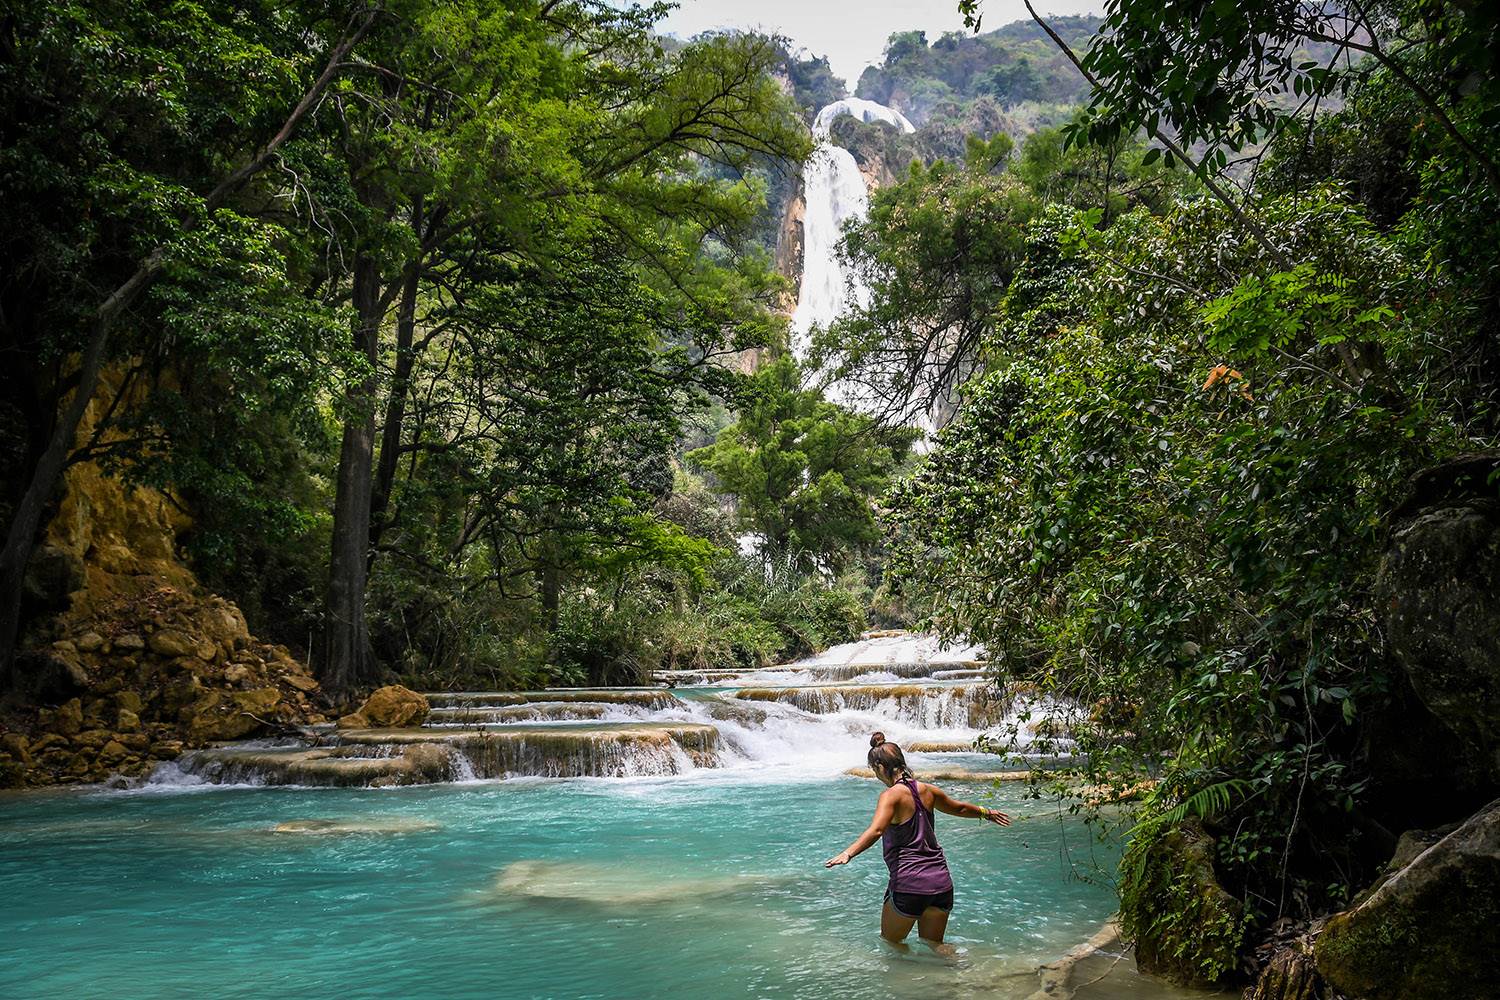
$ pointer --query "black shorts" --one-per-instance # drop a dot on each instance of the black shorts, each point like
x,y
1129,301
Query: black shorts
x,y
913,904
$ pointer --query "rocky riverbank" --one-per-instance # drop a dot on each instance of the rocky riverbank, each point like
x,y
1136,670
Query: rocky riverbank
x,y
142,678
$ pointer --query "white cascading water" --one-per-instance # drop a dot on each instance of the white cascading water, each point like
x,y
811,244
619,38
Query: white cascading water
x,y
834,193
805,720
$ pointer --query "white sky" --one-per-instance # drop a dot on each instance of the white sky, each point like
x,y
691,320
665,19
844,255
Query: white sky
x,y
851,33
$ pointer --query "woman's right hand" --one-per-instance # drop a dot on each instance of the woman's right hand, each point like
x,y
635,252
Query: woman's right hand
x,y
997,817
841,858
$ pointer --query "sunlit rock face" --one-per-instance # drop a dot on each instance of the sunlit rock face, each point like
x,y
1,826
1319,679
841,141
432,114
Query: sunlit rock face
x,y
128,657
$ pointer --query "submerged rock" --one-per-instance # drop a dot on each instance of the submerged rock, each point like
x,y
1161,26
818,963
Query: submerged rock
x,y
614,885
1428,931
347,827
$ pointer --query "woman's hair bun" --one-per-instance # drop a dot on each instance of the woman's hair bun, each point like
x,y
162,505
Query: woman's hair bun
x,y
877,739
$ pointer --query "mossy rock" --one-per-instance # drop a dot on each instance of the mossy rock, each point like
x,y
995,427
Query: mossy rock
x,y
12,773
1428,932
1187,928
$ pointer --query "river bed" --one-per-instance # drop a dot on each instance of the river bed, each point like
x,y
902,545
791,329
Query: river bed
x,y
690,867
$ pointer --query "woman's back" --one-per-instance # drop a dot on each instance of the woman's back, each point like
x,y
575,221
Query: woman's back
x,y
910,846
902,802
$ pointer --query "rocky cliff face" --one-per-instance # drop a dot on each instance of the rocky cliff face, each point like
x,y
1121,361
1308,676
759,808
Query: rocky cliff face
x,y
129,659
789,246
1440,589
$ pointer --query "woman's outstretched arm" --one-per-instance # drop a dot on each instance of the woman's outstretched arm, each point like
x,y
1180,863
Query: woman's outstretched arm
x,y
944,802
885,810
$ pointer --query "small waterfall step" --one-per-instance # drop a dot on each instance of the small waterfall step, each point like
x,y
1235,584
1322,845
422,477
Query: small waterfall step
x,y
883,649
647,698
911,670
380,757
540,711
929,706
938,695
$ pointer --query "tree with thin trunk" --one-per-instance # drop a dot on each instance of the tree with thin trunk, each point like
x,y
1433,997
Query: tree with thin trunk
x,y
536,137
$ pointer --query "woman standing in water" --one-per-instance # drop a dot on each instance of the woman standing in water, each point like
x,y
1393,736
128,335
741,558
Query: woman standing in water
x,y
921,889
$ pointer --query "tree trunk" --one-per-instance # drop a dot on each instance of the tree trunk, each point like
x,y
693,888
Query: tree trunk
x,y
550,578
395,407
347,659
549,574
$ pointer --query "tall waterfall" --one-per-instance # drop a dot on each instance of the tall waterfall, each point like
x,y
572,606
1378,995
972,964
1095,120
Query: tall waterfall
x,y
834,193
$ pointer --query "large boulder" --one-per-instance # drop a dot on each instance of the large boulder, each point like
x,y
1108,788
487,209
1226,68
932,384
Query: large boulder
x,y
171,643
1428,931
66,719
1439,588
51,675
229,715
1187,928
390,707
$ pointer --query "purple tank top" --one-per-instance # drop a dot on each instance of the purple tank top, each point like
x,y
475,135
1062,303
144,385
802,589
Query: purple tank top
x,y
912,852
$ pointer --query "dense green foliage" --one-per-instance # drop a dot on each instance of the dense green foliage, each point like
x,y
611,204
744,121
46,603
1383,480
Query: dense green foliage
x,y
1186,411
471,305
804,470
1015,73
117,119
943,245
425,376
432,313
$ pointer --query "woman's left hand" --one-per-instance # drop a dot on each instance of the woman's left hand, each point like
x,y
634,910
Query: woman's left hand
x,y
841,858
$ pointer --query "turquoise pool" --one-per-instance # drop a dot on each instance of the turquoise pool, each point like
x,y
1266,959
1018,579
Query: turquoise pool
x,y
703,885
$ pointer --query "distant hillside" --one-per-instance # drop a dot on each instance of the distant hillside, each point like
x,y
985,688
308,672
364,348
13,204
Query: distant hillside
x,y
1008,68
